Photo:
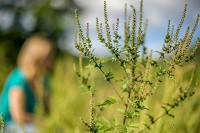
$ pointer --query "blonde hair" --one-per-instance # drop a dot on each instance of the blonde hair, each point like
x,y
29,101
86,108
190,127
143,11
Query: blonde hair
x,y
33,54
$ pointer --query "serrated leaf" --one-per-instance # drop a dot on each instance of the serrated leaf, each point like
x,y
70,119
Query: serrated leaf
x,y
104,124
107,102
115,121
130,128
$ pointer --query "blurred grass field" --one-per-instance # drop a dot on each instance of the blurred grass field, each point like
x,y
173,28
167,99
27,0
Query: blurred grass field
x,y
69,102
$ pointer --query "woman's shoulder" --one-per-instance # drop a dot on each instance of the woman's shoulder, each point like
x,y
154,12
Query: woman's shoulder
x,y
16,77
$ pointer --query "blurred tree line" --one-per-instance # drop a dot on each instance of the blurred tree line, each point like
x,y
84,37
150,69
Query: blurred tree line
x,y
21,18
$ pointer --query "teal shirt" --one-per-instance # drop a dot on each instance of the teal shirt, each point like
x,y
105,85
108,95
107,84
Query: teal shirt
x,y
16,79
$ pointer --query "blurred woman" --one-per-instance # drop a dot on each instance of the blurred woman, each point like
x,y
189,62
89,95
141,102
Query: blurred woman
x,y
25,83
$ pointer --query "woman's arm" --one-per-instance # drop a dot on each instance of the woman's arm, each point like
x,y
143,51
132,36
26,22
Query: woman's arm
x,y
17,106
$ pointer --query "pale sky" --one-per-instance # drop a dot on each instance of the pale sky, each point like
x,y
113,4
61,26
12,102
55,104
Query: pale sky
x,y
158,12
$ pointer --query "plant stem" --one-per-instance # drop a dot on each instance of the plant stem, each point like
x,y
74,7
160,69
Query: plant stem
x,y
108,81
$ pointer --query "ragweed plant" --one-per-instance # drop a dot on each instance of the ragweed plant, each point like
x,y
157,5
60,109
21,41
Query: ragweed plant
x,y
142,73
85,80
1,124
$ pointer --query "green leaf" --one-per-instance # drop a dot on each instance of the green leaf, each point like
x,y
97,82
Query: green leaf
x,y
151,118
147,126
90,66
125,87
106,103
113,59
130,128
115,121
104,125
109,76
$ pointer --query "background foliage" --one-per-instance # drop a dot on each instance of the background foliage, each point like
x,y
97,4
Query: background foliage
x,y
21,18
